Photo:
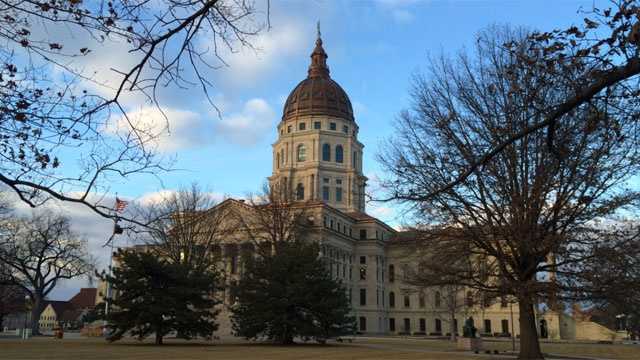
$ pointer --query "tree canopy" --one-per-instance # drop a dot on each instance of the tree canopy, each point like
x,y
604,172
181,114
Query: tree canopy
x,y
156,296
290,294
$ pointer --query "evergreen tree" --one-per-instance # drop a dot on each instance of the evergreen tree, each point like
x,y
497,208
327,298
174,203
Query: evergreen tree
x,y
155,296
290,294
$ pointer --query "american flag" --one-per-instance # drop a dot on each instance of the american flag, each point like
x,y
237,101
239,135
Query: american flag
x,y
120,205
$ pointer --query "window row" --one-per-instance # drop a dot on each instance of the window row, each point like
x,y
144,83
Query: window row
x,y
317,125
301,155
332,224
440,325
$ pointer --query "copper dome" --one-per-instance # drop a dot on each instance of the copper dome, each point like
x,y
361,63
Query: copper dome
x,y
318,94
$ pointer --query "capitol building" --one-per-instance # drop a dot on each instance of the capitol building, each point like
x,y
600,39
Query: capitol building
x,y
318,156
318,159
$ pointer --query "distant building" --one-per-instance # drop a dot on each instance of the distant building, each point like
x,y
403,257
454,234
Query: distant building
x,y
68,314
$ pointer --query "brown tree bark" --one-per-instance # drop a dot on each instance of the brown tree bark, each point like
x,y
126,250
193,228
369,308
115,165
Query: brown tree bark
x,y
36,310
529,343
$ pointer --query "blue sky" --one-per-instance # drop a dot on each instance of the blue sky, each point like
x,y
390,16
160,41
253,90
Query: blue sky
x,y
374,47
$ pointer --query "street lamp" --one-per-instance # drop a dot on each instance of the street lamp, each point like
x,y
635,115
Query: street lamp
x,y
27,299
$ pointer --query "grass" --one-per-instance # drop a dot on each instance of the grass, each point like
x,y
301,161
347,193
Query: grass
x,y
378,348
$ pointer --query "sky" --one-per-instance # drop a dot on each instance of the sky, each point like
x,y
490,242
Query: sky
x,y
373,47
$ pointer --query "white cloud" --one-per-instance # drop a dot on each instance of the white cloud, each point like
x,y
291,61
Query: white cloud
x,y
286,39
167,129
161,195
402,16
248,126
398,9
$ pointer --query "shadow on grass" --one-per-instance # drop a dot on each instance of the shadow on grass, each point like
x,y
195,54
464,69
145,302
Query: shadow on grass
x,y
188,344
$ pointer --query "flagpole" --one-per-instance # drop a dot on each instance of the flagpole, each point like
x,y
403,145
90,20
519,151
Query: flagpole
x,y
119,207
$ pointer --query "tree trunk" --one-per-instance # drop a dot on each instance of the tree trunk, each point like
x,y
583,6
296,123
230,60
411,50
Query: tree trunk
x,y
452,327
529,343
158,338
36,310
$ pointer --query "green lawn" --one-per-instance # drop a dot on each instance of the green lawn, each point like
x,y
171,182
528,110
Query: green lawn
x,y
380,348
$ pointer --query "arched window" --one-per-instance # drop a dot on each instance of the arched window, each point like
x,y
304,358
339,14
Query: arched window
x,y
302,152
339,154
300,192
354,159
282,156
278,160
326,152
438,301
392,299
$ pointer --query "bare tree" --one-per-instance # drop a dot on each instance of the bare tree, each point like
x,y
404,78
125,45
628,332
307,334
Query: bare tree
x,y
531,213
613,271
185,227
38,253
65,133
601,54
273,217
450,298
11,298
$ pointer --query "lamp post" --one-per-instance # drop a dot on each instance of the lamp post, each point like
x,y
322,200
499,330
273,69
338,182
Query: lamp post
x,y
27,309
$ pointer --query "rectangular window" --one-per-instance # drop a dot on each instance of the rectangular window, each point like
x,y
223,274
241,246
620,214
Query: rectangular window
x,y
331,223
363,272
363,234
505,326
302,126
363,260
407,301
338,181
392,324
345,129
325,193
438,326
421,300
325,180
363,323
289,129
316,125
338,194
332,126
363,297
234,264
487,326
423,325
407,325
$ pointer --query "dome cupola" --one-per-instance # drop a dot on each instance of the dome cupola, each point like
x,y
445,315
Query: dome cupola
x,y
318,94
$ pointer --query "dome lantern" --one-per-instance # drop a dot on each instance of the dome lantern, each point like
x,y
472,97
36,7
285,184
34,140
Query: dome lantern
x,y
318,94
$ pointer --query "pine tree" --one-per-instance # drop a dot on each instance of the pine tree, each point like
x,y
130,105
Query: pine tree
x,y
290,294
155,296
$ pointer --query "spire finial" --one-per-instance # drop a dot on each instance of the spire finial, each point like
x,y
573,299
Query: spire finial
x,y
318,66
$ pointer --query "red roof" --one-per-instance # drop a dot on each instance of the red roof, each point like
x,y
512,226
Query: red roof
x,y
86,298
